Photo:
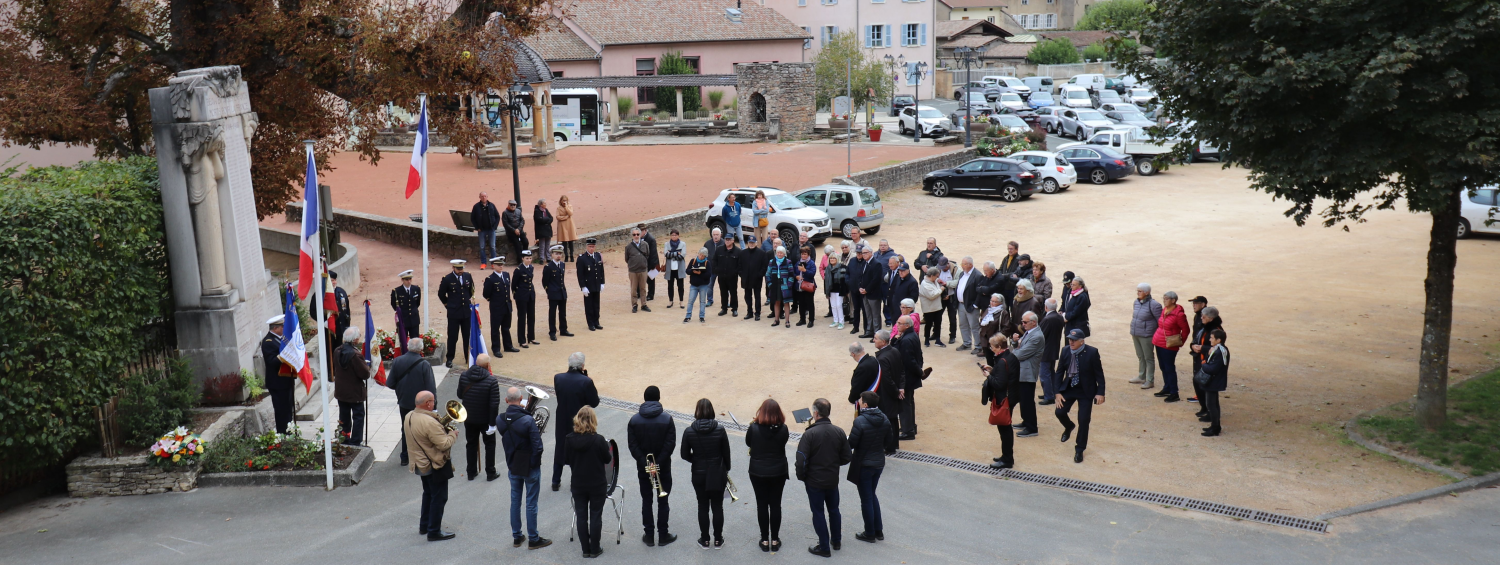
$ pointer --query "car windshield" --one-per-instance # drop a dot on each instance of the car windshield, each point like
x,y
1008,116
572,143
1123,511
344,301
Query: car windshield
x,y
1090,115
1078,95
1009,120
1142,93
929,113
1041,97
1109,95
1129,113
1010,97
867,197
784,201
903,100
1012,82
976,97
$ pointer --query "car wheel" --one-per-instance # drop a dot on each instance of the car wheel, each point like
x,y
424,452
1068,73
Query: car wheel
x,y
872,231
1079,134
1049,186
1146,167
788,235
1098,176
718,225
1010,193
940,189
559,136
1463,229
848,229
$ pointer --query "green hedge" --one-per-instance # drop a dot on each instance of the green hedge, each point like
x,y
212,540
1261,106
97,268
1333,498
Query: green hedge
x,y
84,270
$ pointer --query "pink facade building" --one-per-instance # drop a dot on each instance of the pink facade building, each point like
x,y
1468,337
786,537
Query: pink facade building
x,y
886,27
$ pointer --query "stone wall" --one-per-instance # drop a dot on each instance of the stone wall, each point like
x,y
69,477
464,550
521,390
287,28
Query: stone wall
x,y
287,242
789,92
123,476
902,175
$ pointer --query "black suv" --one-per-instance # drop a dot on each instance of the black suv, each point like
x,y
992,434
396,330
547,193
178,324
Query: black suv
x,y
1012,179
900,101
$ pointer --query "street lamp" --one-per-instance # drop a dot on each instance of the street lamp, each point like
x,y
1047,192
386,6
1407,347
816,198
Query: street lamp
x,y
969,57
514,107
914,74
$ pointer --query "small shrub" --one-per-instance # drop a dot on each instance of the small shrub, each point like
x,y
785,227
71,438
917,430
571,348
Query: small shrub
x,y
149,404
625,103
1036,135
1094,52
715,97
663,116
254,383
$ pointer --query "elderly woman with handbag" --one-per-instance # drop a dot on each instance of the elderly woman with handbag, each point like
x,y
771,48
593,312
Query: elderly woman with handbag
x,y
1172,330
780,277
1003,369
807,288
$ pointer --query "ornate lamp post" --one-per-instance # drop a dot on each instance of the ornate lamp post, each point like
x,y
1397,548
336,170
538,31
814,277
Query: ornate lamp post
x,y
914,75
969,56
514,107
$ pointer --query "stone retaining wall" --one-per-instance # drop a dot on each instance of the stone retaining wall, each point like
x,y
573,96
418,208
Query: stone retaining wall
x,y
287,242
94,475
910,173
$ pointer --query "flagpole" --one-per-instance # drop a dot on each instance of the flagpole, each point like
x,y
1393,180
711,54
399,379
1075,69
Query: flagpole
x,y
322,341
426,304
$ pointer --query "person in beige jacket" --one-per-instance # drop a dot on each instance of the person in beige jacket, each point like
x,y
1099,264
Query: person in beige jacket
x,y
429,446
566,232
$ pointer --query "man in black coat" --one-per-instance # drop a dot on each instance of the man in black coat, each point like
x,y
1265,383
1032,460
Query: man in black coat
x,y
910,346
715,241
341,299
854,275
1052,333
410,374
278,386
522,442
486,218
524,290
726,267
574,390
590,266
902,286
652,432
893,390
456,292
406,300
821,451
653,260
867,462
480,393
752,273
928,257
872,293
515,226
554,279
1080,381
497,292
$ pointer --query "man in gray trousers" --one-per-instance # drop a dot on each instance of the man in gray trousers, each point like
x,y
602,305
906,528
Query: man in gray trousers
x,y
966,287
1029,353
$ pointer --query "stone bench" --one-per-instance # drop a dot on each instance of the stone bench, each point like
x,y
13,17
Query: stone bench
x,y
946,140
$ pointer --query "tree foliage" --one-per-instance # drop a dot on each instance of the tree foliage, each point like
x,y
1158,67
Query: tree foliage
x,y
76,71
1115,15
1326,104
666,96
85,268
1094,52
845,66
1057,51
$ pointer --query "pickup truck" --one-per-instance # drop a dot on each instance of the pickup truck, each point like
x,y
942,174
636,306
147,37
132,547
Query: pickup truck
x,y
1135,143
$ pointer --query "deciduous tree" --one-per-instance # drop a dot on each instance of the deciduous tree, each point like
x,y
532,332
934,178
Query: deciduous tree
x,y
1115,15
1058,51
844,66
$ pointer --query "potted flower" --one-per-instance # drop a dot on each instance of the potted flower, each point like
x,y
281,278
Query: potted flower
x,y
719,119
648,119
838,121
980,124
874,131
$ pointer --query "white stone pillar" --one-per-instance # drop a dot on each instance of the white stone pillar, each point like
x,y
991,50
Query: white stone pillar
x,y
679,103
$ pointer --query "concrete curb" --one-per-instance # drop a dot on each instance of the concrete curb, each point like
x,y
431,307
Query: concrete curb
x,y
1352,429
361,465
1461,486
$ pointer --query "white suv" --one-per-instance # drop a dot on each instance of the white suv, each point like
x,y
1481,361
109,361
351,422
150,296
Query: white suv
x,y
789,216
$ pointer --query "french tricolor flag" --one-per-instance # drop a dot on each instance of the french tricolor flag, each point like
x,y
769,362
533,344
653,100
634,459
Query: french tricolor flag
x,y
305,268
418,154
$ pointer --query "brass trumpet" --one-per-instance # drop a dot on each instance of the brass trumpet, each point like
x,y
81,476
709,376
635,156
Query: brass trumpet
x,y
729,486
454,412
652,471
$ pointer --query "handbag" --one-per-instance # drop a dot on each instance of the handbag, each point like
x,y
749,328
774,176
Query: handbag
x,y
808,286
1174,340
763,222
1200,378
1000,413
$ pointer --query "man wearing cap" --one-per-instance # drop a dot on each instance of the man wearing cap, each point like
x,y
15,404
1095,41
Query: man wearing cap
x,y
637,260
406,300
277,385
497,292
456,292
522,287
515,226
1080,380
554,279
591,281
485,218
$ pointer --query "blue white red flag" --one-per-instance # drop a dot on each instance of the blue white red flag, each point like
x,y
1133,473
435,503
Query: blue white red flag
x,y
372,357
476,336
418,154
310,242
293,353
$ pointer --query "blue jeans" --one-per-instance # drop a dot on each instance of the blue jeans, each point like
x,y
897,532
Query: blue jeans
x,y
487,246
1049,378
818,499
869,504
533,483
1167,360
694,293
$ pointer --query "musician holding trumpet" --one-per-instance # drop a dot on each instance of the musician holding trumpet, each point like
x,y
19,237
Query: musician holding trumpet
x,y
429,442
652,438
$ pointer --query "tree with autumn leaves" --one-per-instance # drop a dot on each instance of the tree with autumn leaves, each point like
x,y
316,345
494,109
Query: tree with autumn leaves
x,y
77,71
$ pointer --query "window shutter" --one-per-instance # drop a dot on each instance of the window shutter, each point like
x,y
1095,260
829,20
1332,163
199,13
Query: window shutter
x,y
922,35
824,36
869,36
887,35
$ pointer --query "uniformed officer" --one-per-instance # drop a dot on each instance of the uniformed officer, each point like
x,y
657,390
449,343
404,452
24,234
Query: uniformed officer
x,y
279,386
406,300
591,280
341,318
456,292
554,279
524,290
497,292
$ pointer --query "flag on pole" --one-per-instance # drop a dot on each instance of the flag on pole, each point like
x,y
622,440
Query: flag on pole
x,y
476,337
372,357
330,305
310,243
293,354
418,154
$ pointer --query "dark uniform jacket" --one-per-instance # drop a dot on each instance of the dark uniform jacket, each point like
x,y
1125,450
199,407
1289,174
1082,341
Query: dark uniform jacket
x,y
855,275
821,451
652,431
521,283
1052,331
872,281
752,265
574,391
901,288
590,271
270,348
893,375
1077,311
866,370
554,279
910,346
456,292
407,302
726,261
497,292
341,298
1090,373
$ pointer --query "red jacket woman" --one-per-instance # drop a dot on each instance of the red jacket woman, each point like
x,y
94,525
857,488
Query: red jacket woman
x,y
1173,321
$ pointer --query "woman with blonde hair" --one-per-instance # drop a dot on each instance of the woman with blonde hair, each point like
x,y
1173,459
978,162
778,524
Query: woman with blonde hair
x,y
587,453
761,214
566,234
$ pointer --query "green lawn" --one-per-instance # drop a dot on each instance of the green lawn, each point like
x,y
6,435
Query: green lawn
x,y
1470,441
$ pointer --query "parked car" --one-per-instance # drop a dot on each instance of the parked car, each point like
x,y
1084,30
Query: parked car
x,y
1013,101
1076,97
900,101
975,86
1089,82
846,206
1140,96
933,122
1008,84
1056,172
1081,123
1039,84
1048,116
1011,179
1127,115
1476,210
1133,142
978,102
1201,149
1012,122
1040,99
789,216
1107,97
1098,164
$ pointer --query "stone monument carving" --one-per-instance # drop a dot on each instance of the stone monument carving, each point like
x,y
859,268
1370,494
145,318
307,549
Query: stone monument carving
x,y
203,126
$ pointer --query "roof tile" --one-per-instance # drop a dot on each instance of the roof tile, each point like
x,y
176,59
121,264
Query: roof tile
x,y
626,22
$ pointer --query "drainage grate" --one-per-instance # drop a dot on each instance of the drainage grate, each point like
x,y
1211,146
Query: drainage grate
x,y
1231,511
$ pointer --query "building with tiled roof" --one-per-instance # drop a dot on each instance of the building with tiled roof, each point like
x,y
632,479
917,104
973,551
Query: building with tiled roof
x,y
899,29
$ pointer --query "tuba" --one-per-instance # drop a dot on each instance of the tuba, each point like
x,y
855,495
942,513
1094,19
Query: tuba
x,y
454,412
540,413
652,471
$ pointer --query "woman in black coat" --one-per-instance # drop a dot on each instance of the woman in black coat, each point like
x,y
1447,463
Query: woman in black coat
x,y
1076,313
706,446
1003,370
1216,367
767,437
541,223
587,454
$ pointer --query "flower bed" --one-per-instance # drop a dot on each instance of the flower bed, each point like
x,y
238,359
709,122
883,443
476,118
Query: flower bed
x,y
273,452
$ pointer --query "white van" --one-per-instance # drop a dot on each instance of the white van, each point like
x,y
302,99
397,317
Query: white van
x,y
1075,97
1008,84
1040,84
1092,83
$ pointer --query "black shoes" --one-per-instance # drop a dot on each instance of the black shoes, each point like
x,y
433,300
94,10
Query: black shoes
x,y
801,323
906,437
1210,432
998,464
854,331
1171,398
776,323
649,539
473,476
864,537
701,320
1201,414
1204,419
961,348
1047,402
757,317
734,313
552,337
1078,456
1161,394
1067,433
723,312
512,350
819,550
749,315
838,545
775,545
539,543
517,541
703,543
665,539
595,553
566,334
645,307
556,486
440,535
634,309
765,546
1027,433
718,543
